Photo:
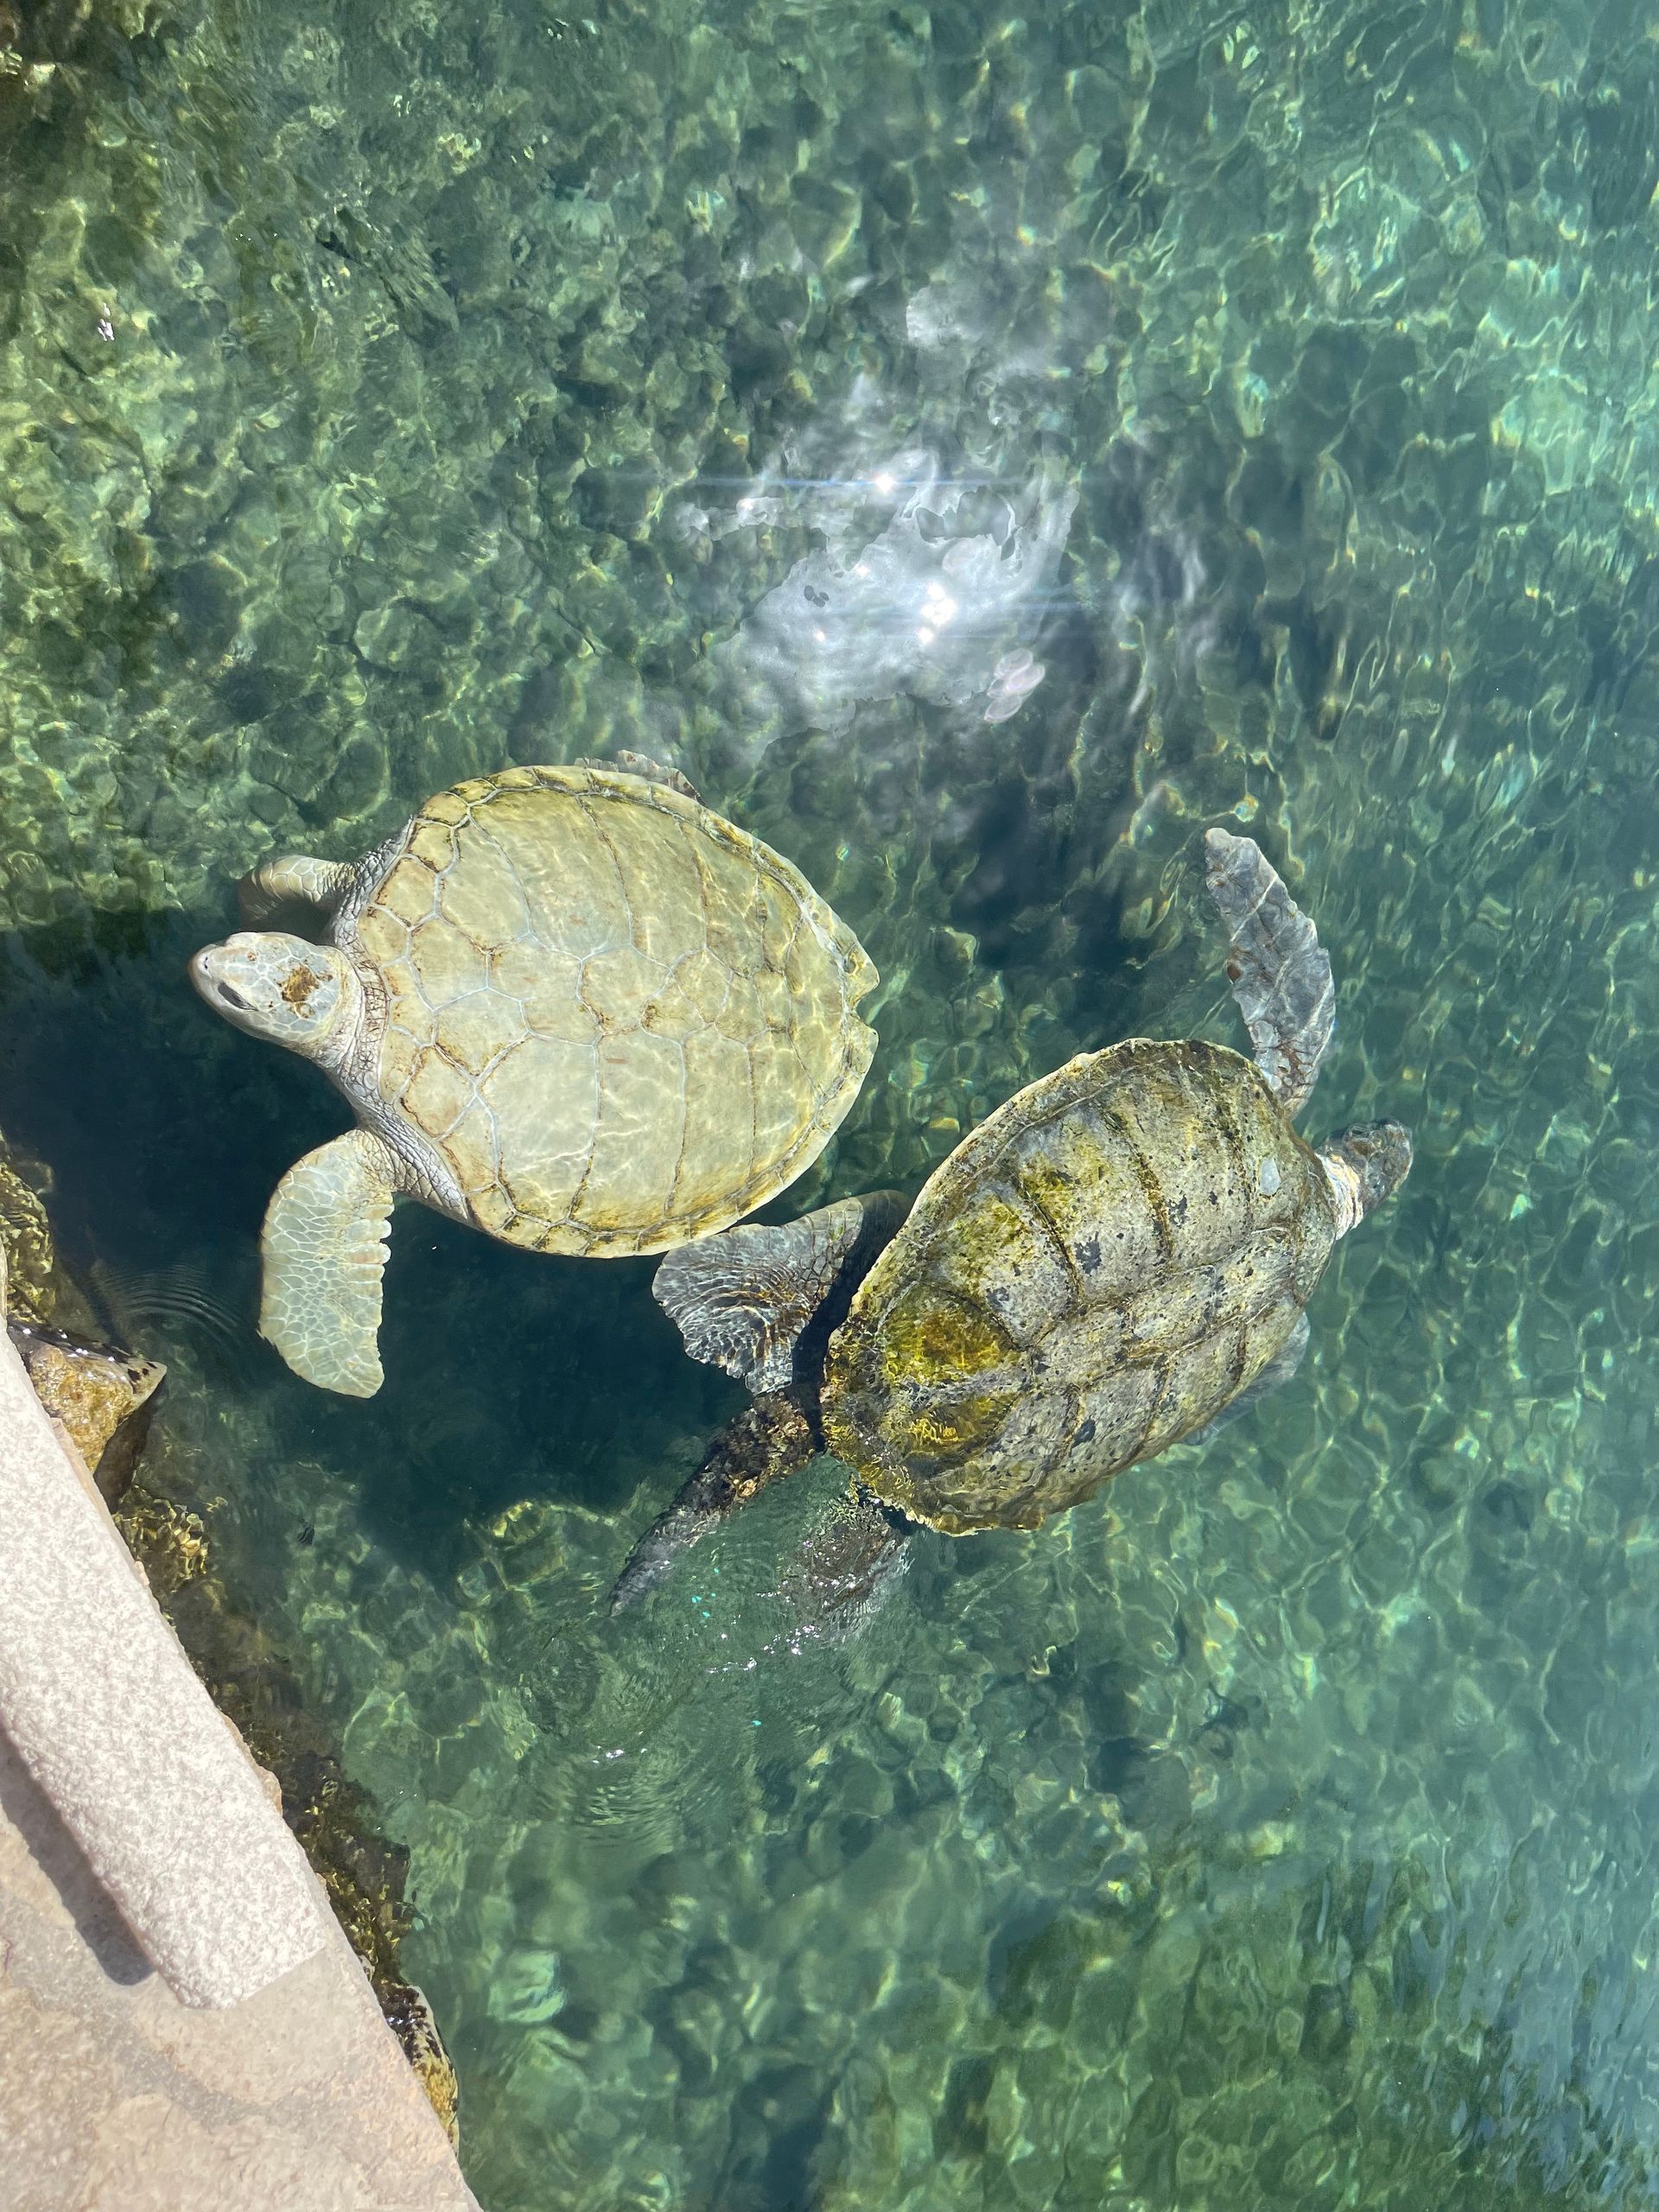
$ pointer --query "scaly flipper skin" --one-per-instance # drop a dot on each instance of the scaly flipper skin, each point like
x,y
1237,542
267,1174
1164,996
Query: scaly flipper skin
x,y
1279,972
845,1566
745,1300
767,1440
324,1249
273,889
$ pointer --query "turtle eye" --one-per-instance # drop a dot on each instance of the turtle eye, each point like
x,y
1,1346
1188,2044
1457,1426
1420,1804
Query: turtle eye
x,y
231,996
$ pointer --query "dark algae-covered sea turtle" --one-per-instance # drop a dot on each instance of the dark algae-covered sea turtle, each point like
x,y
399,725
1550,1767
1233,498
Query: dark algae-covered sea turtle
x,y
571,1007
1116,1259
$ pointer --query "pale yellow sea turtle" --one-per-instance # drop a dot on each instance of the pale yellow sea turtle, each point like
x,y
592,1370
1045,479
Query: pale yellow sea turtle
x,y
571,1007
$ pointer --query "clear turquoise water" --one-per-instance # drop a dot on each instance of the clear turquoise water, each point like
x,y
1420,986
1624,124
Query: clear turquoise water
x,y
1277,1829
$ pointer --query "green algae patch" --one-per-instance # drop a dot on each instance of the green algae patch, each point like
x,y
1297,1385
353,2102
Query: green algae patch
x,y
901,1444
948,1429
928,1339
902,1400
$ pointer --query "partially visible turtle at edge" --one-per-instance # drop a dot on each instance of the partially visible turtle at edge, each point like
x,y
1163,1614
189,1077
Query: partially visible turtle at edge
x,y
570,1006
1118,1258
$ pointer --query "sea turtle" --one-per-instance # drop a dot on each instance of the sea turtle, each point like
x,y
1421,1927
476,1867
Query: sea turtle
x,y
1114,1260
571,1007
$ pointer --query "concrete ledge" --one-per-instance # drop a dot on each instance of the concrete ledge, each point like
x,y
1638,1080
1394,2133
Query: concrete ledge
x,y
101,1703
120,2098
252,2068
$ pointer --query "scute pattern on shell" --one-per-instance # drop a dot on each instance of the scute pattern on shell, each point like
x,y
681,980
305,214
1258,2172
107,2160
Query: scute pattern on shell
x,y
622,1021
1091,1275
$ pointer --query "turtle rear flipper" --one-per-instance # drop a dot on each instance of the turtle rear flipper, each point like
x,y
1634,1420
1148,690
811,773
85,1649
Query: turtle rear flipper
x,y
767,1440
845,1566
324,1249
1277,1372
1279,972
761,1302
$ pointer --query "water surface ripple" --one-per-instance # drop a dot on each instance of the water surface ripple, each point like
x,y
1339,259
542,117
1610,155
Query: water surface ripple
x,y
981,449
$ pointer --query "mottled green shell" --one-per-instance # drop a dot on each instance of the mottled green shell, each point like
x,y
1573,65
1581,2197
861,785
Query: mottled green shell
x,y
1093,1273
622,1022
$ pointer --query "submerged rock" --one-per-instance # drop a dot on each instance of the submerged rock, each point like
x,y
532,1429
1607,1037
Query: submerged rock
x,y
410,2017
31,1270
102,1396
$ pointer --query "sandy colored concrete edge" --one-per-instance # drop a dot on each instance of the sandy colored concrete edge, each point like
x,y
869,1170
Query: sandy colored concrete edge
x,y
98,1696
117,2098
255,2074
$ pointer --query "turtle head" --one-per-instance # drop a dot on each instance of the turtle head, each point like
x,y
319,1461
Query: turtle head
x,y
301,995
1366,1163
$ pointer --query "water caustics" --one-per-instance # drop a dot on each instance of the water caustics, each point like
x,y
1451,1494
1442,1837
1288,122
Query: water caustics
x,y
983,452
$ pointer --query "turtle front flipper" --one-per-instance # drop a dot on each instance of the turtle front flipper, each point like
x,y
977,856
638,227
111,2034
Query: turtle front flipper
x,y
760,1301
768,1439
1279,972
648,771
271,892
324,1249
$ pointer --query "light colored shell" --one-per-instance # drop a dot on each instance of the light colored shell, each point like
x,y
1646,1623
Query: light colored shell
x,y
1092,1274
623,1022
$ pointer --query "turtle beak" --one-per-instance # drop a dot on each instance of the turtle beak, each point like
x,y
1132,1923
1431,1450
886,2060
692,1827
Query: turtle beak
x,y
201,969
204,974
